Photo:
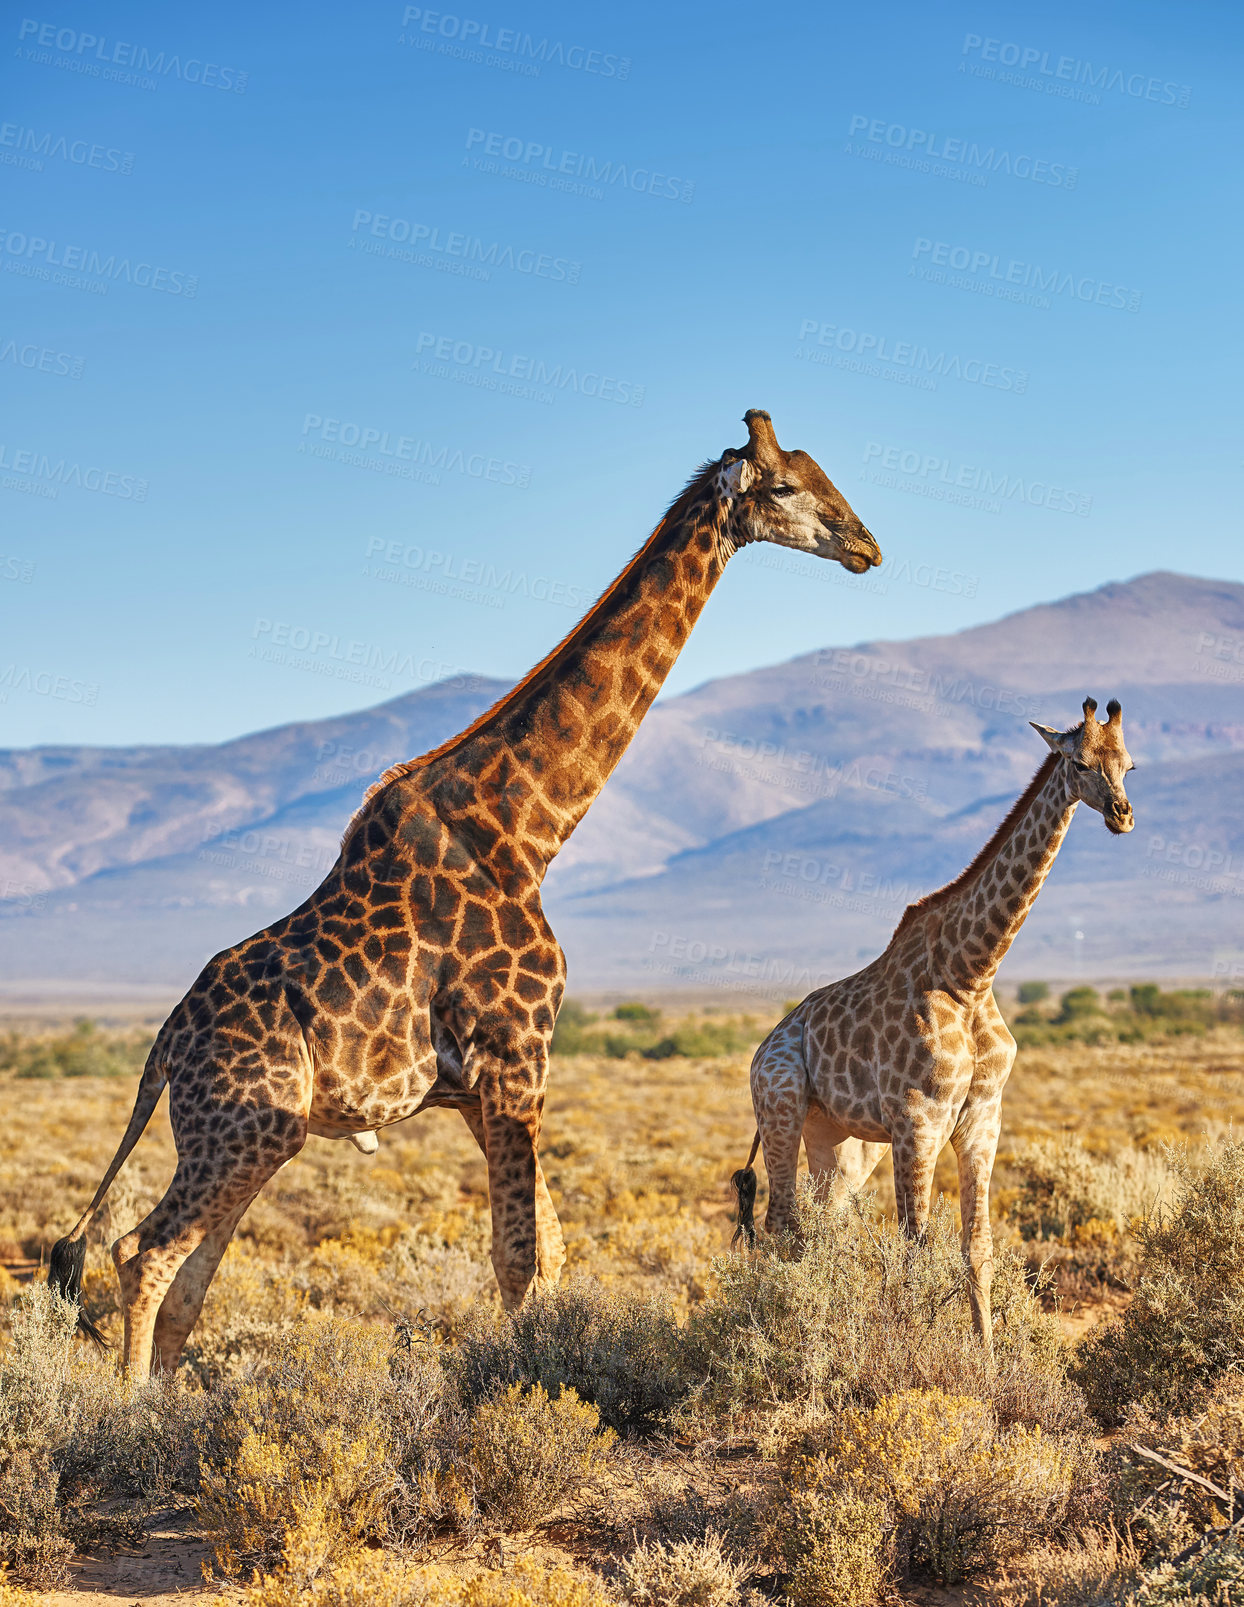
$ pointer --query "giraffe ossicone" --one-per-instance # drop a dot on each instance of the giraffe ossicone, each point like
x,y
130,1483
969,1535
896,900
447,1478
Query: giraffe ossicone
x,y
912,1052
422,971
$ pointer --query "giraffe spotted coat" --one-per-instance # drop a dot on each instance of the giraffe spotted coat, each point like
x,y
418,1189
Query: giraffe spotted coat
x,y
912,1051
422,972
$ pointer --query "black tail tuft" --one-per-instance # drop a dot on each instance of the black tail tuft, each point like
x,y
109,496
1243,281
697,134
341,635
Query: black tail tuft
x,y
744,1185
65,1277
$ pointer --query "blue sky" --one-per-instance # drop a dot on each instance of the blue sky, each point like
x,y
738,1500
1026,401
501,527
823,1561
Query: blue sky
x,y
346,348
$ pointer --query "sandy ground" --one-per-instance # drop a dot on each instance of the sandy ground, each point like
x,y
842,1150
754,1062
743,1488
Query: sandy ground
x,y
168,1569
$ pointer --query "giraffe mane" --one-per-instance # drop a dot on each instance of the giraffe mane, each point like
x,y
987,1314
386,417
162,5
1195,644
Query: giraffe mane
x,y
991,850
533,677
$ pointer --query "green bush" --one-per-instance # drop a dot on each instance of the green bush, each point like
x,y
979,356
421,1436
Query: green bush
x,y
1185,1325
570,1035
1136,1015
620,1352
637,1012
86,1051
702,1042
1033,992
635,1029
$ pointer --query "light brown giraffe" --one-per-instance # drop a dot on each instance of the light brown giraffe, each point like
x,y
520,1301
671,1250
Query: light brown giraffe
x,y
912,1051
422,971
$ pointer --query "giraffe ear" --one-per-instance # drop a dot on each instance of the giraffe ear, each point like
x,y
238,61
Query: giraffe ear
x,y
738,477
1059,741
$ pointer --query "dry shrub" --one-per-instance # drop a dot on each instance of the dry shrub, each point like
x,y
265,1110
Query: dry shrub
x,y
34,1384
620,1351
373,1579
71,1438
1185,1326
334,1441
360,1579
674,1248
330,1490
687,1573
1099,1567
862,1313
673,1509
1160,1510
1074,1209
12,1595
249,1311
527,1452
837,1545
363,1271
1104,1569
1213,1577
962,1496
446,1283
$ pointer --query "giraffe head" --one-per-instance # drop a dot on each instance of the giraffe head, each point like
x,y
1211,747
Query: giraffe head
x,y
787,498
1097,761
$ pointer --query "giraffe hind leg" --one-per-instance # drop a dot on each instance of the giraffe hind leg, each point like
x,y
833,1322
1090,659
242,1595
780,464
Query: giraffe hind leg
x,y
181,1306
198,1202
780,1100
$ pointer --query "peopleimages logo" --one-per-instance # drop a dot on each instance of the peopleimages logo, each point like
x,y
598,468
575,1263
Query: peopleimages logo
x,y
494,369
917,364
96,56
404,455
467,37
985,159
547,166
24,147
1025,276
44,359
457,252
24,469
929,474
1068,76
33,256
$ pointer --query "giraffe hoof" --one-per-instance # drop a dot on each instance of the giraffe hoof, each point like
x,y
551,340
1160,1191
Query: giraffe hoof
x,y
365,1143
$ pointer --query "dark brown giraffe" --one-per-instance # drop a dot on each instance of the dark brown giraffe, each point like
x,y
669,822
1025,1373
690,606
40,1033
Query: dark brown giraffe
x,y
422,971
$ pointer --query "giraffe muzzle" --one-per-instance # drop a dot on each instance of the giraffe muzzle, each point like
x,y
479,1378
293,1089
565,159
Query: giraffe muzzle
x,y
1119,819
861,552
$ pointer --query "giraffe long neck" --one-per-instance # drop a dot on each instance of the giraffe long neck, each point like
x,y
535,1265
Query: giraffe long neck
x,y
525,774
982,912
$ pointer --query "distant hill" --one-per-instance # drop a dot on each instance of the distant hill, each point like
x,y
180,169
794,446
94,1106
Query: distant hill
x,y
763,830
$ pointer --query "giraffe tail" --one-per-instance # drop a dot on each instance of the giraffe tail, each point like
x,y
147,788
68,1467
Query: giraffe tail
x,y
744,1185
68,1257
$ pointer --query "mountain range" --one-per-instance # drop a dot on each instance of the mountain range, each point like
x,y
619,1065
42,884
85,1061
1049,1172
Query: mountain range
x,y
762,833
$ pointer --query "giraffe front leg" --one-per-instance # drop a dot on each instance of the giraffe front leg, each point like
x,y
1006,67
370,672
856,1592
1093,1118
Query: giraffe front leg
x,y
550,1245
511,1106
916,1138
976,1144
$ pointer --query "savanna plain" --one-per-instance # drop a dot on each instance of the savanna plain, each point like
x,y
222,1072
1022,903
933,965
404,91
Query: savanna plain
x,y
679,1424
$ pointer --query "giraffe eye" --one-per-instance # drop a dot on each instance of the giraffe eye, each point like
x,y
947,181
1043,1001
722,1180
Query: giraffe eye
x,y
784,491
1080,765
